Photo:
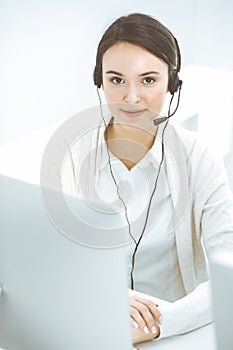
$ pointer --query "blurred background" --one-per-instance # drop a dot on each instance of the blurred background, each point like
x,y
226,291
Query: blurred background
x,y
48,52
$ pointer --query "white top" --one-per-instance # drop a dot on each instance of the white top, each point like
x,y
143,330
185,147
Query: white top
x,y
156,270
199,196
194,172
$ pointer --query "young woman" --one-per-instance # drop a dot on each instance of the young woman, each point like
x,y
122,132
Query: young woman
x,y
144,161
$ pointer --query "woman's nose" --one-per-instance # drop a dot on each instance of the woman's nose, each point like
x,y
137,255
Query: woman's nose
x,y
132,95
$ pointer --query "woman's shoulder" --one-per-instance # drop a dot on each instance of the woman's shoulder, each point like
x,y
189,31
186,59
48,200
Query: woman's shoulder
x,y
191,140
186,135
201,153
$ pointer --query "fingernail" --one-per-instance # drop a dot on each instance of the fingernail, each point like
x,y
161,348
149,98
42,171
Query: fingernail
x,y
161,319
153,329
135,324
146,330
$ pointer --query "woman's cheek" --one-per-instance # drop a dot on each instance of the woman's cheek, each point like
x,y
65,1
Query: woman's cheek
x,y
156,100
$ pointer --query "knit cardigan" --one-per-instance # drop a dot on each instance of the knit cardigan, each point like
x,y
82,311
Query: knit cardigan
x,y
202,217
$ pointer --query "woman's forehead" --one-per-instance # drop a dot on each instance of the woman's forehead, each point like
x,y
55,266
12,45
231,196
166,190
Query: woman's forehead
x,y
125,55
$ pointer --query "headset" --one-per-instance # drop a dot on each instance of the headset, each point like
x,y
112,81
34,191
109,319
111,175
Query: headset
x,y
174,82
174,85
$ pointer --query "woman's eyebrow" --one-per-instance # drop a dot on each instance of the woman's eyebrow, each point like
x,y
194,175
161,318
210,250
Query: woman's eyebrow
x,y
140,75
114,72
148,73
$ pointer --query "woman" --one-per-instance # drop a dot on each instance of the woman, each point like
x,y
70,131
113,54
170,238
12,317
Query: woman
x,y
189,210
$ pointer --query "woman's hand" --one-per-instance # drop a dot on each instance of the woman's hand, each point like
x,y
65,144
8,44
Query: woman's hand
x,y
145,318
139,336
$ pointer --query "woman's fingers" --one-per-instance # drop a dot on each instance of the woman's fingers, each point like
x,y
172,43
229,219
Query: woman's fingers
x,y
145,322
144,306
145,314
139,336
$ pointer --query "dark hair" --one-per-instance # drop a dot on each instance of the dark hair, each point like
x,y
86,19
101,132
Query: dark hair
x,y
148,33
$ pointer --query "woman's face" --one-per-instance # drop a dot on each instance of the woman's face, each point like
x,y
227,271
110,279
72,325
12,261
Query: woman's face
x,y
135,83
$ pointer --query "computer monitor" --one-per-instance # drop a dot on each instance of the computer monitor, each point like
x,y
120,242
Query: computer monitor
x,y
221,272
56,293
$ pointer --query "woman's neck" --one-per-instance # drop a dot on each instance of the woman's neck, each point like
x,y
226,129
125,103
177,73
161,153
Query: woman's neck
x,y
130,145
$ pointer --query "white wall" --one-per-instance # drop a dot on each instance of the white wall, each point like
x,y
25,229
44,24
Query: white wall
x,y
48,52
214,31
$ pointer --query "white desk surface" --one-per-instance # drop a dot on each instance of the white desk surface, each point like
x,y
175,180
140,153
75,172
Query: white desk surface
x,y
202,338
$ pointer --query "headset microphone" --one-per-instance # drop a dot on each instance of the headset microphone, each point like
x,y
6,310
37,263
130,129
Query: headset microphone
x,y
158,121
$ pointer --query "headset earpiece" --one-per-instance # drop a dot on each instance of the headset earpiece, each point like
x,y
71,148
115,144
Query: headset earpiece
x,y
97,77
174,82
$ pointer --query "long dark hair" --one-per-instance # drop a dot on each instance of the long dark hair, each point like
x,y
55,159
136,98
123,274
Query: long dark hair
x,y
148,33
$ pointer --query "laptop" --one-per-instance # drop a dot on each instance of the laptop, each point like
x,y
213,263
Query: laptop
x,y
56,293
221,272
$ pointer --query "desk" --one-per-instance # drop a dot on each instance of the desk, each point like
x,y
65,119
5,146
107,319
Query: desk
x,y
202,338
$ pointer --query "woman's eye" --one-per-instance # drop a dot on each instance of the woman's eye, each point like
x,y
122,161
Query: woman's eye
x,y
117,80
148,81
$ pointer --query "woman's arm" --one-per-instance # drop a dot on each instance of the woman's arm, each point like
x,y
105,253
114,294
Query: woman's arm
x,y
183,315
212,213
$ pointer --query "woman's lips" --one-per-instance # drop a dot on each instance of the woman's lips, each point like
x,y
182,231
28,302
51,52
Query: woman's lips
x,y
133,113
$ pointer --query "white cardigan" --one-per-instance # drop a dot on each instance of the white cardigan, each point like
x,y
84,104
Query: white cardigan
x,y
203,215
